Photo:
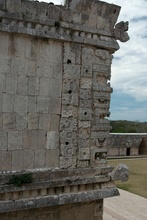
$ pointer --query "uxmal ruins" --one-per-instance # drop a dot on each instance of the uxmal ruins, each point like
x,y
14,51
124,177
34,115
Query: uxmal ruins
x,y
55,68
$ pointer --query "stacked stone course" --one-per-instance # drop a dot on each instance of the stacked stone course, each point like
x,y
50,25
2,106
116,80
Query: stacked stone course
x,y
55,68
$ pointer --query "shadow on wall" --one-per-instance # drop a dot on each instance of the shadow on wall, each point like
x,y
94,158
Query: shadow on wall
x,y
143,147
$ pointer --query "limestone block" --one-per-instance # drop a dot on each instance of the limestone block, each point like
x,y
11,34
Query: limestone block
x,y
86,83
52,158
84,124
9,121
55,86
2,82
44,87
52,70
102,68
14,6
6,160
3,140
84,133
69,124
69,111
28,160
14,140
72,71
27,139
44,121
85,114
1,121
38,139
20,104
72,52
22,85
32,104
2,103
17,160
8,102
85,103
33,85
54,105
52,140
55,49
5,64
18,45
85,94
17,66
42,104
32,121
40,156
21,121
82,164
30,66
87,54
4,37
54,122
83,142
86,71
11,84
84,154
67,162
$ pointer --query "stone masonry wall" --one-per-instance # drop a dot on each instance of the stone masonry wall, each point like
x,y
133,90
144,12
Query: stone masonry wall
x,y
55,68
119,143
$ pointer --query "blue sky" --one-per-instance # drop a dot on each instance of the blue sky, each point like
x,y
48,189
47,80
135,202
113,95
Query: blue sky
x,y
129,67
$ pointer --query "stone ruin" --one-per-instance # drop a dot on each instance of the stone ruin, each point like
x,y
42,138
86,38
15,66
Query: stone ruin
x,y
55,68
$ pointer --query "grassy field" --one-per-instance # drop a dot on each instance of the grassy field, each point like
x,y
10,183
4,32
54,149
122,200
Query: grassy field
x,y
137,182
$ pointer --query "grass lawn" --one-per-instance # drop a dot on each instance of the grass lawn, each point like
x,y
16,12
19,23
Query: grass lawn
x,y
137,182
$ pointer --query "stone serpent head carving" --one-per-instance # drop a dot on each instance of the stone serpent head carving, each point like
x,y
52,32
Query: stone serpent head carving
x,y
120,31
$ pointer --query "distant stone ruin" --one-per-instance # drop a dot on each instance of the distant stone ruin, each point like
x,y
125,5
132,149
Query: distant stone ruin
x,y
55,68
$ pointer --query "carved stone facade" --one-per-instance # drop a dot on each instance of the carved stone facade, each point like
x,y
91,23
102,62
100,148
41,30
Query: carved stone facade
x,y
55,68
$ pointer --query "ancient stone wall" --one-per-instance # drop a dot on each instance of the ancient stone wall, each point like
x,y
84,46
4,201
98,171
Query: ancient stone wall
x,y
121,144
55,68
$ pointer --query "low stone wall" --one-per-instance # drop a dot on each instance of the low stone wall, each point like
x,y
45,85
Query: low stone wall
x,y
131,144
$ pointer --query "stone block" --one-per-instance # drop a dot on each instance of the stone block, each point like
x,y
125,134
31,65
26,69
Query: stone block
x,y
3,140
85,114
14,140
84,124
43,104
5,64
32,104
83,142
82,163
9,121
72,52
68,124
19,45
27,139
2,82
6,160
55,119
72,71
52,140
4,37
20,104
84,133
44,86
69,111
1,121
28,159
54,106
70,85
85,94
21,121
44,121
11,84
17,66
22,86
17,160
30,67
87,55
85,103
40,156
86,83
8,102
86,71
67,162
55,49
84,154
33,85
33,121
38,139
52,159
55,87
53,70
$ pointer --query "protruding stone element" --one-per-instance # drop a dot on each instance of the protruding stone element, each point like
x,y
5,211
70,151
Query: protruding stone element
x,y
120,31
121,173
